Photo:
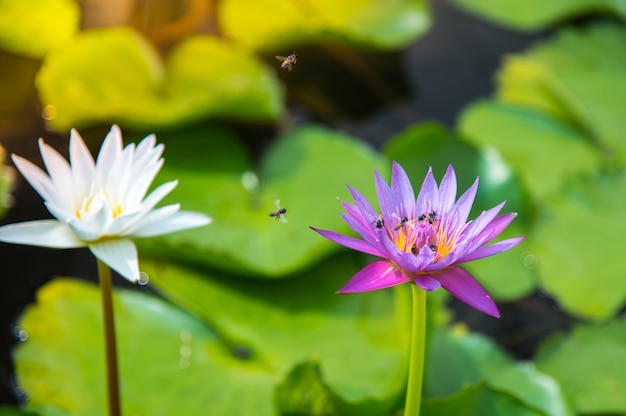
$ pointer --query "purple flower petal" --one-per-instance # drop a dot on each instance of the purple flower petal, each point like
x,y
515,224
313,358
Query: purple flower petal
x,y
465,202
363,204
496,248
361,229
386,201
447,191
477,226
429,194
426,282
377,275
403,191
494,228
350,242
463,286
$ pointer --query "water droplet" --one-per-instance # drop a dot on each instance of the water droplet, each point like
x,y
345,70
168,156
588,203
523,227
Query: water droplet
x,y
143,279
184,362
185,336
529,260
185,351
250,181
20,334
49,112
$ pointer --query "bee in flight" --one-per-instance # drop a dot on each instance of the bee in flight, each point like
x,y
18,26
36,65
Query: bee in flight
x,y
279,214
287,61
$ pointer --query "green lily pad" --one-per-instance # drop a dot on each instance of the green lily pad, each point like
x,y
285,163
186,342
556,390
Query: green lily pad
x,y
533,15
7,178
590,364
303,392
307,169
577,78
360,342
230,360
457,358
478,400
271,24
539,149
577,246
505,276
114,74
35,27
14,411
62,363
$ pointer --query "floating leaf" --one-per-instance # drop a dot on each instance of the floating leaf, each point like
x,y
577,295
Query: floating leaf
x,y
540,150
430,144
35,27
579,259
62,363
359,341
304,393
457,358
306,169
113,74
576,78
590,364
477,400
531,15
271,24
7,177
259,331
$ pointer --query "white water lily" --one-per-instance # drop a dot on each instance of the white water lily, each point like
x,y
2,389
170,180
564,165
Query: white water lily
x,y
100,204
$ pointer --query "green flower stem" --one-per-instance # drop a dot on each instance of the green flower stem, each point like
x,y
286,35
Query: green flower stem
x,y
418,345
109,339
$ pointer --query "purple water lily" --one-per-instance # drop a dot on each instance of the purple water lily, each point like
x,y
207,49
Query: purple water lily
x,y
424,239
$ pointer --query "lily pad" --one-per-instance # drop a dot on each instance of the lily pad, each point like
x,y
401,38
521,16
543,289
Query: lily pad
x,y
307,169
539,149
478,400
114,74
576,244
35,27
457,358
62,363
7,179
248,337
271,24
590,364
505,276
577,78
360,342
533,15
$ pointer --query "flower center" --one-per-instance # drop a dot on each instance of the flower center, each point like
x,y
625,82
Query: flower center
x,y
96,202
427,229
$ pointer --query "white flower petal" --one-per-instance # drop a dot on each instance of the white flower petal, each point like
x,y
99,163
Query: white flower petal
x,y
36,177
176,222
81,161
42,233
59,171
158,194
110,150
83,230
120,255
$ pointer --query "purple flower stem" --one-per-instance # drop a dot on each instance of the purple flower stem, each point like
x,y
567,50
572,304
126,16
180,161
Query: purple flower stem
x,y
418,346
113,392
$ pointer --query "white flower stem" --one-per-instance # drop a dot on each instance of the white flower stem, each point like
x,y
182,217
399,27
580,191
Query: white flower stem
x,y
418,346
113,393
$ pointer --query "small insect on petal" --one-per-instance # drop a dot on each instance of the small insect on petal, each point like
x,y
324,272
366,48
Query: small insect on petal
x,y
279,213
